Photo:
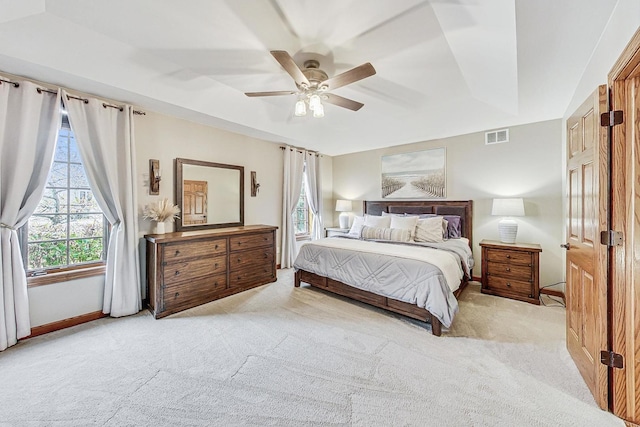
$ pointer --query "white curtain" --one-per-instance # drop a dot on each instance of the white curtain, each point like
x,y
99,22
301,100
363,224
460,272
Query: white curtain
x,y
313,188
292,184
29,123
105,141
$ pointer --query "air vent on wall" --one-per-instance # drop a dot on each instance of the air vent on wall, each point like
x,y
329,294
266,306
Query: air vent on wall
x,y
496,136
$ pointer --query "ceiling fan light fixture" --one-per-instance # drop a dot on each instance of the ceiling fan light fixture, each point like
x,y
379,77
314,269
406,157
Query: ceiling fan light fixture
x,y
318,111
301,108
314,102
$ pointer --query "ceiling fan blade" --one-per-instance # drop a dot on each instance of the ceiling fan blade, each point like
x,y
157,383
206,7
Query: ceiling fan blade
x,y
361,72
275,93
343,102
290,66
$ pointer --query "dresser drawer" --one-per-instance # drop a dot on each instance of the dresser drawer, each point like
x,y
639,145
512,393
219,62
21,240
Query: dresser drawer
x,y
513,271
252,276
191,269
193,249
250,258
194,292
502,284
239,243
509,257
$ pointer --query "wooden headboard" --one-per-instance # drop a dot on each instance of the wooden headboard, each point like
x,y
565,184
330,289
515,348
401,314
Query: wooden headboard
x,y
462,208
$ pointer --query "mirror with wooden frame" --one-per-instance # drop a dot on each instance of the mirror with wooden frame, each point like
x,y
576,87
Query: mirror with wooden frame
x,y
210,195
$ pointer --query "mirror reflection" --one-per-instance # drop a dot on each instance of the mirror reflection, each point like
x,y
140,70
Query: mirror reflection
x,y
210,195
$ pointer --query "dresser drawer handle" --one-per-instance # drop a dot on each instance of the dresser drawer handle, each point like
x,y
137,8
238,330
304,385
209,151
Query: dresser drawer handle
x,y
239,259
177,253
508,256
508,269
177,272
215,247
177,295
215,265
508,284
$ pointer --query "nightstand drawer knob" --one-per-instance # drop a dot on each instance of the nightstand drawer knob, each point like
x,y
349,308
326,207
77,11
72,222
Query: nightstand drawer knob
x,y
508,269
508,284
508,256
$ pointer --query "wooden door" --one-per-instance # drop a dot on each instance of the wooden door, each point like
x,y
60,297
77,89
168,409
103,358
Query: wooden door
x,y
586,290
194,196
624,81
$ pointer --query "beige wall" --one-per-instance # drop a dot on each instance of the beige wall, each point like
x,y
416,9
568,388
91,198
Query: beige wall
x,y
528,166
166,138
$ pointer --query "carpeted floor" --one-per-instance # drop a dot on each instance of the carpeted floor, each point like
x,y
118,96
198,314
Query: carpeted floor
x,y
282,356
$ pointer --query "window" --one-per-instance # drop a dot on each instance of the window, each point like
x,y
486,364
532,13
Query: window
x,y
68,228
302,215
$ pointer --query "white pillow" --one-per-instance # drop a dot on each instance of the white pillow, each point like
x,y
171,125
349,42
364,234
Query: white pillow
x,y
356,227
393,234
429,230
377,221
405,223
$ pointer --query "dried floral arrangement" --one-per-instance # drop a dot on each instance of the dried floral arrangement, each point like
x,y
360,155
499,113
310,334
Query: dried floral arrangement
x,y
161,211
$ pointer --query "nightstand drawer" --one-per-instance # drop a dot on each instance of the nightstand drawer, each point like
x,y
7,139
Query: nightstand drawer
x,y
513,271
509,257
508,285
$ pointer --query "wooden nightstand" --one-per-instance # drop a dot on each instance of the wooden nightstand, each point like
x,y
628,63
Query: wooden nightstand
x,y
335,231
511,270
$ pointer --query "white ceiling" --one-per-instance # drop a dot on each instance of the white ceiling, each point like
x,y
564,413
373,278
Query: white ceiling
x,y
444,67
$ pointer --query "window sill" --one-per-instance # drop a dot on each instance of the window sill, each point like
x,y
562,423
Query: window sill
x,y
300,237
65,276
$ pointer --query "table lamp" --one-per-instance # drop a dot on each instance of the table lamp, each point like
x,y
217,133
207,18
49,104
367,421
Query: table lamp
x,y
344,206
506,208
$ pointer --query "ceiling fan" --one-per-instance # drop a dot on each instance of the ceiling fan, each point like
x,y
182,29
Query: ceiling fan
x,y
314,84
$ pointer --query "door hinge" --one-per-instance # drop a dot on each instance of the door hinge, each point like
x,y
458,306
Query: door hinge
x,y
611,359
612,238
611,118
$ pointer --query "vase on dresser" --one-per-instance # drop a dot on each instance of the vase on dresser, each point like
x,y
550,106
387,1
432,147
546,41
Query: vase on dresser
x,y
160,227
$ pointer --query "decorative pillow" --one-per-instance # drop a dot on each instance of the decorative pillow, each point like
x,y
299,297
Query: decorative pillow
x,y
378,233
356,227
377,221
429,230
405,223
454,226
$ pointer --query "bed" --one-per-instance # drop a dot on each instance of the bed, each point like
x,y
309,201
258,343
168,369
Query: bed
x,y
393,273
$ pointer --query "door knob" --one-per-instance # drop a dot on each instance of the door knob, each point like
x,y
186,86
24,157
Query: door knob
x,y
567,246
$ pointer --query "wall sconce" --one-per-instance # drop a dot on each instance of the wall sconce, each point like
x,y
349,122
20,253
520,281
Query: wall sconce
x,y
154,177
255,185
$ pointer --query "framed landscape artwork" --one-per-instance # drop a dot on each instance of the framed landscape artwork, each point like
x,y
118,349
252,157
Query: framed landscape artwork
x,y
417,175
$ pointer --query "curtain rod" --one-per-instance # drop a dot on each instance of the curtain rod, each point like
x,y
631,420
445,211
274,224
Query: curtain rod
x,y
42,89
10,82
300,149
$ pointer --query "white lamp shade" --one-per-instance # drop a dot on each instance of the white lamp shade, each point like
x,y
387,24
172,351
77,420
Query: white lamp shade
x,y
508,207
301,108
508,228
318,112
344,206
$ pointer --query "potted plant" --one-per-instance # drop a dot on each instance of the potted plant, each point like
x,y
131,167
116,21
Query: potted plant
x,y
161,211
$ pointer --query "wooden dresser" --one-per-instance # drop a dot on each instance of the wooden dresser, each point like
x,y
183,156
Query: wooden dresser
x,y
189,268
511,270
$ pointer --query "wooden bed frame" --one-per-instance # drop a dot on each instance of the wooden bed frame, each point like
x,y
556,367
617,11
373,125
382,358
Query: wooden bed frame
x,y
461,208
